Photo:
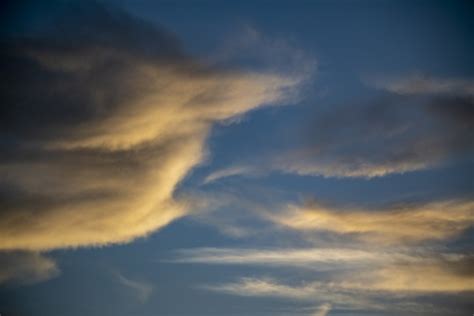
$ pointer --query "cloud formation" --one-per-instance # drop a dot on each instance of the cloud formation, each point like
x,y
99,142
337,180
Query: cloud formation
x,y
26,267
412,270
394,134
378,285
341,298
97,132
401,131
422,84
314,258
309,292
445,276
323,310
229,172
396,225
142,290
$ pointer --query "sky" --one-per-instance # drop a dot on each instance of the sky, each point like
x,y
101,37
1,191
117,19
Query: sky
x,y
254,158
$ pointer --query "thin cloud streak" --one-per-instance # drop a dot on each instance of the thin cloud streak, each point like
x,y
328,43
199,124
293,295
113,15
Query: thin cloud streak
x,y
423,84
229,172
141,290
410,271
397,225
311,258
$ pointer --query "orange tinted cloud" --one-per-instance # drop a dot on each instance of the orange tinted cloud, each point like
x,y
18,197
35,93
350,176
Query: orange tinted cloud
x,y
406,223
108,128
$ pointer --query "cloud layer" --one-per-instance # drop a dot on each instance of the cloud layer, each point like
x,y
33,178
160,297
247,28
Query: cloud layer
x,y
98,132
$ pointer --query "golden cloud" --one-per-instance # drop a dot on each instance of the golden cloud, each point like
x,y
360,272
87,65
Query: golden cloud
x,y
424,278
405,223
414,270
102,132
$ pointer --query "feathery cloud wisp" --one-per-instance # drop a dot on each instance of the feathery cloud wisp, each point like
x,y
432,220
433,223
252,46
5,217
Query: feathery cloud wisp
x,y
423,84
26,267
401,224
312,258
142,290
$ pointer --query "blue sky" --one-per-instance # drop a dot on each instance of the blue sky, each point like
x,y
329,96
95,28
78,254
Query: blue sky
x,y
237,158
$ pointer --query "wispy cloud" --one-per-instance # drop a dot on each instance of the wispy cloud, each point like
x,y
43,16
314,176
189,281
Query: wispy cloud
x,y
323,310
263,287
423,84
229,172
401,131
310,292
140,289
310,258
395,225
412,271
339,296
26,267
386,259
444,276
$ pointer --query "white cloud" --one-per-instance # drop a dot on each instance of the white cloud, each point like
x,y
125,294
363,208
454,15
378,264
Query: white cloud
x,y
229,172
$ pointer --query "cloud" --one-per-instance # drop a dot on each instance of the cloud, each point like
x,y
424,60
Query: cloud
x,y
310,292
102,116
263,287
323,310
393,134
374,286
395,225
335,295
26,267
142,290
252,48
448,276
228,172
411,270
423,84
313,258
